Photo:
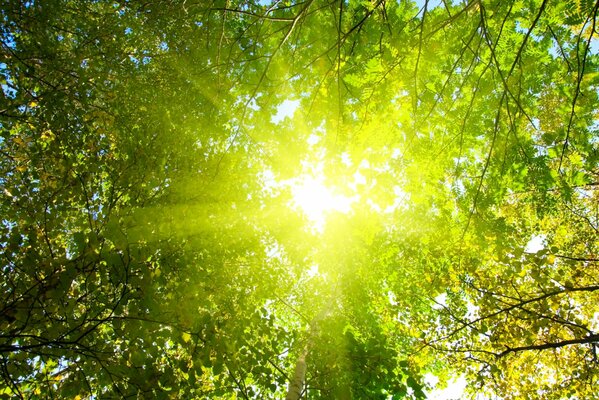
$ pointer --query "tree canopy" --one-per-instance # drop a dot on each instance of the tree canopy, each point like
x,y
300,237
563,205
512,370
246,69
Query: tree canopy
x,y
314,199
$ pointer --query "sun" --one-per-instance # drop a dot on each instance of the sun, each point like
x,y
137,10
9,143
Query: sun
x,y
315,200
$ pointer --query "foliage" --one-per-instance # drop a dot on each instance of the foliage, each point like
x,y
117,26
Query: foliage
x,y
151,248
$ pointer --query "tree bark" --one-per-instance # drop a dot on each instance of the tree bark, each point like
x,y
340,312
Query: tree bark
x,y
296,384
552,345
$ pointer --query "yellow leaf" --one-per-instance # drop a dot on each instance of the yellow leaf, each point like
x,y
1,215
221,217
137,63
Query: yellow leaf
x,y
33,104
47,135
186,337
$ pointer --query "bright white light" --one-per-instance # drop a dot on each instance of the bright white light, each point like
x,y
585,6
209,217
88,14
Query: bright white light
x,y
454,390
313,139
313,271
285,109
535,244
346,159
392,298
316,200
440,302
359,179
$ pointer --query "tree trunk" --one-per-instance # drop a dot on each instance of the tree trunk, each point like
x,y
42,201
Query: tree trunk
x,y
296,385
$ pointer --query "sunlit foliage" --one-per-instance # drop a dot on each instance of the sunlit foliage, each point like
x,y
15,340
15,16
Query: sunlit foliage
x,y
197,197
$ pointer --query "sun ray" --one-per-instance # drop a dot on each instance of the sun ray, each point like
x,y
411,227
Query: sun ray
x,y
315,199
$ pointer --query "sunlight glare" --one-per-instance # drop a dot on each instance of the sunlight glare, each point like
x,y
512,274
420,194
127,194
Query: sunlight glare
x,y
455,388
315,199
